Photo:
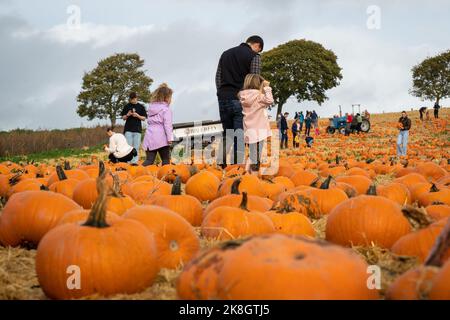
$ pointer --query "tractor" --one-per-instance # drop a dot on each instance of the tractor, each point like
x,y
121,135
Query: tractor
x,y
340,124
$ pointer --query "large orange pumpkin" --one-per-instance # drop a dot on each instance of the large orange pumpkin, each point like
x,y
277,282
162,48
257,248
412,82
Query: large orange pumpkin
x,y
176,240
114,258
365,220
29,215
303,270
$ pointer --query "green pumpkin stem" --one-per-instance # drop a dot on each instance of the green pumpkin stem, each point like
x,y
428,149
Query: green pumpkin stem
x,y
337,159
372,190
101,169
176,187
235,186
326,184
244,201
97,216
60,172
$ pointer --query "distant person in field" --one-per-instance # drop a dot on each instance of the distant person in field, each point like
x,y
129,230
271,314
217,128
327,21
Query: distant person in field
x,y
295,133
315,119
133,114
234,65
421,112
255,98
159,134
366,114
284,130
404,125
301,118
436,110
309,141
119,150
308,124
359,121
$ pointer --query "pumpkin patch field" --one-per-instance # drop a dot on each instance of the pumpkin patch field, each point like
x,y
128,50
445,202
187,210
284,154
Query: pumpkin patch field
x,y
345,219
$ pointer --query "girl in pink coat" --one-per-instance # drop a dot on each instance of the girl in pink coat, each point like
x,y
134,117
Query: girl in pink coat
x,y
255,98
158,136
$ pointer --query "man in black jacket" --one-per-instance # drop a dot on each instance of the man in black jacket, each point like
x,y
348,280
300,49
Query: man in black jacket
x,y
284,130
234,65
436,110
402,141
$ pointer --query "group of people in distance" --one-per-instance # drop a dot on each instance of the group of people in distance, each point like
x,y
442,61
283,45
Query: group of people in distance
x,y
310,120
158,136
426,112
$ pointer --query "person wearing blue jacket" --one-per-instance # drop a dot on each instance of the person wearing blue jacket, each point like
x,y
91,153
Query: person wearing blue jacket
x,y
301,117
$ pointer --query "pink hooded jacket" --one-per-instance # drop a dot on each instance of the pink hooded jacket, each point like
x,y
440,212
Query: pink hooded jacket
x,y
159,126
254,107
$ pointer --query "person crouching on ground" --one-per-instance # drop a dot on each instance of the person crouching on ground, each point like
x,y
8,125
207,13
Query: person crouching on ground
x,y
255,98
119,150
404,124
159,134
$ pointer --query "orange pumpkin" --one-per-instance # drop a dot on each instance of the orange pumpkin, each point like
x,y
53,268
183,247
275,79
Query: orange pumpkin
x,y
186,206
366,219
203,186
176,240
29,215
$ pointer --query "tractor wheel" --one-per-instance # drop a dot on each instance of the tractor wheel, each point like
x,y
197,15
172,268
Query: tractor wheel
x,y
331,130
365,126
343,130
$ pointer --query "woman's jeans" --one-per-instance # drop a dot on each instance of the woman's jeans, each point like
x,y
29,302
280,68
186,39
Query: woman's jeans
x,y
402,142
134,140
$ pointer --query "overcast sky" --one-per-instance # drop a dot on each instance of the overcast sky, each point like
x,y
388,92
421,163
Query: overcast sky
x,y
42,60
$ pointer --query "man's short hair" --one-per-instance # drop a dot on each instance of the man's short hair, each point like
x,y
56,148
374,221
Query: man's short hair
x,y
133,95
256,39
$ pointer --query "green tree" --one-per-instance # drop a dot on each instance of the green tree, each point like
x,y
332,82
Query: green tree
x,y
106,88
300,68
431,78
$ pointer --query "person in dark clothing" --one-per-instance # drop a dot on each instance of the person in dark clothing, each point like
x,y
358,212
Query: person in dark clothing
x,y
436,110
404,124
354,125
421,112
295,131
284,131
133,114
309,141
315,119
308,123
234,65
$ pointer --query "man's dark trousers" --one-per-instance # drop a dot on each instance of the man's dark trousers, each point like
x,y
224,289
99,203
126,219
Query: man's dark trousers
x,y
232,119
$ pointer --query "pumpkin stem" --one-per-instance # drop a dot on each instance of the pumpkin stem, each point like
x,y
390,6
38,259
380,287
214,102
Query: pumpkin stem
x,y
314,183
44,188
176,187
417,217
97,216
15,179
326,184
372,191
337,159
435,258
434,188
67,165
60,172
244,201
235,186
193,170
115,192
101,169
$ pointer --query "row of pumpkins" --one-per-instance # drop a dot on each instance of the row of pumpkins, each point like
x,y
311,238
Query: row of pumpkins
x,y
121,224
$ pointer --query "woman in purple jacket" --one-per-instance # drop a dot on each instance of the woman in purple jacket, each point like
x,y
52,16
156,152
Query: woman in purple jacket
x,y
158,136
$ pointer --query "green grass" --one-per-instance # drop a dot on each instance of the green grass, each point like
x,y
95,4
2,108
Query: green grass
x,y
53,154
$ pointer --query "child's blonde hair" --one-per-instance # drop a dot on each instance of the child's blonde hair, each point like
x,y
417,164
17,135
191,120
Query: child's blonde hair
x,y
253,81
162,94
